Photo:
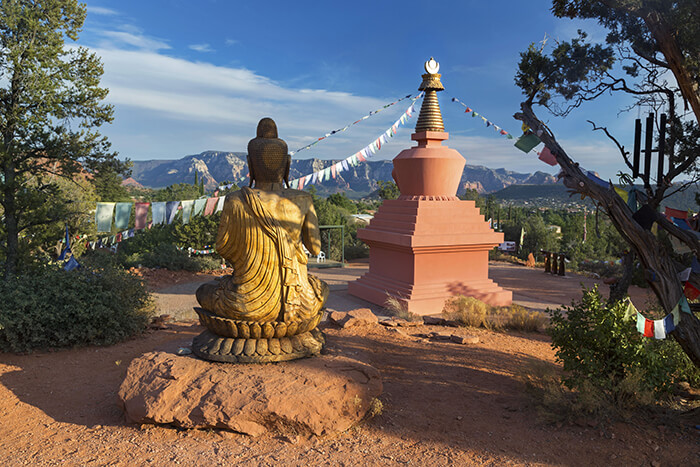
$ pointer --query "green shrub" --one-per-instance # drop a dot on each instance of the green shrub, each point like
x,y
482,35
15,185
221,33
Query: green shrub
x,y
600,347
98,304
158,247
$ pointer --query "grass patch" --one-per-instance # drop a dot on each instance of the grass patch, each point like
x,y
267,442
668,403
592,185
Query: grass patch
x,y
469,311
398,308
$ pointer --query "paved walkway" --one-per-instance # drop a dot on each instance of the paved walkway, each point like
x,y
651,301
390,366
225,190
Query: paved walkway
x,y
531,288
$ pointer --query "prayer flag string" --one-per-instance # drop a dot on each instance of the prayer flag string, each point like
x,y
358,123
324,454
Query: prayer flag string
x,y
340,130
488,122
658,328
360,156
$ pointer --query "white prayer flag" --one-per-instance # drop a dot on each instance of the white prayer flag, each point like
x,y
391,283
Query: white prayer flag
x,y
659,329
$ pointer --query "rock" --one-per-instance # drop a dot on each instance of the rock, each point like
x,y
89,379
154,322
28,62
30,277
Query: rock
x,y
441,335
464,339
398,332
390,323
316,396
358,317
405,323
433,321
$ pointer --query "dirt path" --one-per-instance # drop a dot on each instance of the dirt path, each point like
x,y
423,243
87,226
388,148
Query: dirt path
x,y
444,404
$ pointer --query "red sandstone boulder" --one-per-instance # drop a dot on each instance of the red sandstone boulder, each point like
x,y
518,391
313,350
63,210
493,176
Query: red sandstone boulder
x,y
359,317
316,396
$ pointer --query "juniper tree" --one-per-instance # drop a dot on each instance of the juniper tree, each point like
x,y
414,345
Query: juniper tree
x,y
50,107
647,41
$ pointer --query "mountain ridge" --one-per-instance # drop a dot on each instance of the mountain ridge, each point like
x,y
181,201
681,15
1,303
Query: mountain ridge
x,y
217,167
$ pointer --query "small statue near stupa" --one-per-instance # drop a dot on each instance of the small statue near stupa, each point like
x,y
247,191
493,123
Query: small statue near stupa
x,y
268,309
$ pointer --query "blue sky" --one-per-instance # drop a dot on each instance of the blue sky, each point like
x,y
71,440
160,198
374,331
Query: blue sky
x,y
188,76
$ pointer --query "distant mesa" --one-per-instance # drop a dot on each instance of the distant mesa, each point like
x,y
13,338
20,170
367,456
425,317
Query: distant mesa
x,y
216,167
131,182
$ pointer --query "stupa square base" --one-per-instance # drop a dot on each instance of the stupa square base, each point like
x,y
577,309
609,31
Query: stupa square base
x,y
422,252
426,298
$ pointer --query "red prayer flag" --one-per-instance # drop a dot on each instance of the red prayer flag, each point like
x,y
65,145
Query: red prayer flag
x,y
360,157
648,328
210,206
677,213
547,157
469,110
691,292
333,170
301,183
140,214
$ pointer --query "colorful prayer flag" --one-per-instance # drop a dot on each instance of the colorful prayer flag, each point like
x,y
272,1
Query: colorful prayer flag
x,y
171,211
640,323
670,212
547,157
158,212
187,210
199,206
684,306
669,325
103,216
211,205
622,194
648,328
659,330
527,142
140,215
220,204
122,214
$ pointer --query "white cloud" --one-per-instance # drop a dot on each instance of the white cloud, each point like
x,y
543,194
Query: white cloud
x,y
183,107
230,42
117,39
201,47
98,10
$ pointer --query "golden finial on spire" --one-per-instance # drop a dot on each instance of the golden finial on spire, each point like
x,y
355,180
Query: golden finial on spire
x,y
430,117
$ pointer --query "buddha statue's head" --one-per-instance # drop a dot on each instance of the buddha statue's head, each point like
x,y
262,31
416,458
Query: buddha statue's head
x,y
268,157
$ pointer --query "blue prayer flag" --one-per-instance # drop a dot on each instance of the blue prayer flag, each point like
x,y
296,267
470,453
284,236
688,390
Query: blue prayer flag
x,y
668,323
71,264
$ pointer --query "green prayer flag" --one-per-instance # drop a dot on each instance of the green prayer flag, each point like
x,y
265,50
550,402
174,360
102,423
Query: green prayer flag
x,y
685,308
631,310
122,214
676,315
527,142
199,206
640,323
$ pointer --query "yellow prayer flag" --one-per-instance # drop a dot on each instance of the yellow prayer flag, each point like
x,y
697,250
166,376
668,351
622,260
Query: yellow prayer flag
x,y
622,193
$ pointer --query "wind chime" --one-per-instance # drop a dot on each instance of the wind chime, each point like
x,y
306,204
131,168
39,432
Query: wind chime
x,y
648,149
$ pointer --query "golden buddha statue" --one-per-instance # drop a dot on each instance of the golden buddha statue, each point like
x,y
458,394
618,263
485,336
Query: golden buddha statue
x,y
268,309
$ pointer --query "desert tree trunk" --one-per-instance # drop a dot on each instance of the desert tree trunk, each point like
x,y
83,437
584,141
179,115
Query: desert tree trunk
x,y
651,253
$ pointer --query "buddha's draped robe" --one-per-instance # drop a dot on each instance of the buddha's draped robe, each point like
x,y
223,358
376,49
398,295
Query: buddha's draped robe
x,y
270,280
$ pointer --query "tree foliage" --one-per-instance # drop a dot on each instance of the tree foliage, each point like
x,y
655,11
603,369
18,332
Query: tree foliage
x,y
647,40
50,107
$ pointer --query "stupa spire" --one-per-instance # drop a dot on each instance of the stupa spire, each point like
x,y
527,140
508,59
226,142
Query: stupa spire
x,y
430,117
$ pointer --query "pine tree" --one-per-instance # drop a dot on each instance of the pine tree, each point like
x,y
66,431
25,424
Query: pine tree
x,y
50,107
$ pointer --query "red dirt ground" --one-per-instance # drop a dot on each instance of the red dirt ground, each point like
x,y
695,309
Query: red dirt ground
x,y
444,404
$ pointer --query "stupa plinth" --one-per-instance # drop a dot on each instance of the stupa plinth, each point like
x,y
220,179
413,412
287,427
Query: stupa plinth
x,y
428,245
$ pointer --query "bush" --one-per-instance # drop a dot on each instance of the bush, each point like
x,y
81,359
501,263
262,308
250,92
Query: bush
x,y
98,305
469,311
602,352
158,246
168,256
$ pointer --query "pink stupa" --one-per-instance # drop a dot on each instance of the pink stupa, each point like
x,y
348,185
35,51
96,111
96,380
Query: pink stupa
x,y
428,245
